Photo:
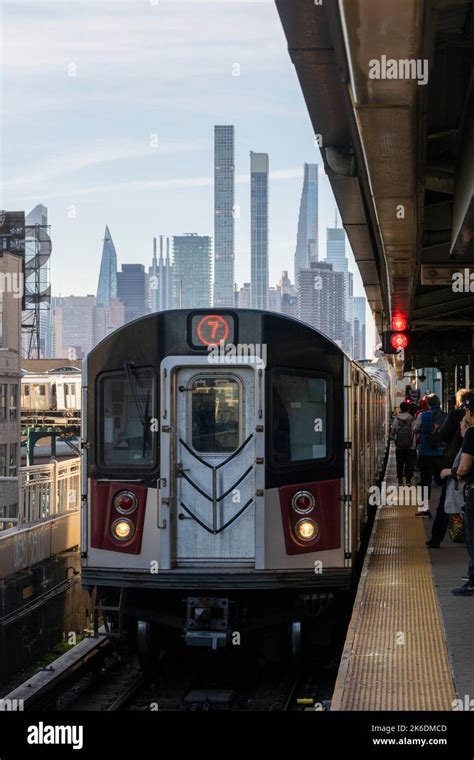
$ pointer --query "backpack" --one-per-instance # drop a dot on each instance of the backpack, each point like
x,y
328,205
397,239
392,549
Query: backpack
x,y
434,440
404,436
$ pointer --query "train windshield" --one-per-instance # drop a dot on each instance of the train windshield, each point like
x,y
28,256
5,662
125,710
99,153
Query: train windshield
x,y
127,409
215,412
299,429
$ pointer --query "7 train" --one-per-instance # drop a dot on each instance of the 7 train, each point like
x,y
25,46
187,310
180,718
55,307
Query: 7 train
x,y
228,456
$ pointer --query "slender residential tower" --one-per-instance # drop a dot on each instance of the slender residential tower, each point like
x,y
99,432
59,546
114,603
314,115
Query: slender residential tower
x,y
224,183
307,235
259,229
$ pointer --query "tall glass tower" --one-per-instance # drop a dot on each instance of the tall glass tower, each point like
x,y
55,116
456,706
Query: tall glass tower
x,y
259,229
191,271
107,287
307,235
336,255
224,179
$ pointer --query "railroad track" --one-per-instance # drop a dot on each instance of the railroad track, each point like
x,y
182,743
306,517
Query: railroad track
x,y
94,677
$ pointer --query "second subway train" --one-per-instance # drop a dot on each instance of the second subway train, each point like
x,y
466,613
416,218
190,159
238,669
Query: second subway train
x,y
227,460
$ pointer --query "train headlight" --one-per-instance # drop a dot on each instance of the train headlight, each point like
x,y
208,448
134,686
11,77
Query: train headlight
x,y
125,502
306,529
303,502
122,529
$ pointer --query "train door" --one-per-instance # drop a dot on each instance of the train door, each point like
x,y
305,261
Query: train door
x,y
213,465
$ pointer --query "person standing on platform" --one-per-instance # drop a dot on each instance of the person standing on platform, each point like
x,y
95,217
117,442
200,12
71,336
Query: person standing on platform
x,y
465,472
405,443
430,446
452,438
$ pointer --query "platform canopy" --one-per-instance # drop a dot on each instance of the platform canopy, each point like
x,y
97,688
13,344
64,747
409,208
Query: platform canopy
x,y
389,88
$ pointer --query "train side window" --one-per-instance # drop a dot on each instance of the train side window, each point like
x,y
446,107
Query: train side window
x,y
127,407
3,400
215,414
26,390
42,390
299,417
13,402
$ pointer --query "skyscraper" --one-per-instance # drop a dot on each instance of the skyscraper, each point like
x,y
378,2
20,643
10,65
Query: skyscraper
x,y
154,280
336,249
336,255
132,289
307,235
359,327
224,177
244,296
259,228
107,286
74,326
321,299
191,271
289,300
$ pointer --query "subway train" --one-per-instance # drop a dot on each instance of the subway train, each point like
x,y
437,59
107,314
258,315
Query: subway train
x,y
227,460
57,391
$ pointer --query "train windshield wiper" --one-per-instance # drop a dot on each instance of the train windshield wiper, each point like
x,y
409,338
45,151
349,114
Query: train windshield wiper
x,y
136,388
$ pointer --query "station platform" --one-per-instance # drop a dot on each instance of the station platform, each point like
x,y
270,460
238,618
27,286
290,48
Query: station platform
x,y
409,645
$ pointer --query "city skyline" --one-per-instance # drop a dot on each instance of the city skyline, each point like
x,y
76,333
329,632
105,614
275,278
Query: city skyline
x,y
115,145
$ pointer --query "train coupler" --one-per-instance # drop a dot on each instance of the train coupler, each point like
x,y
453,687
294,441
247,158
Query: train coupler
x,y
207,622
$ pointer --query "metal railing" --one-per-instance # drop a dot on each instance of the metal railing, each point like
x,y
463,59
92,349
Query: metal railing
x,y
49,489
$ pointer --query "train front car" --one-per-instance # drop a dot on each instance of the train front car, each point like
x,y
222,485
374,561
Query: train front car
x,y
216,466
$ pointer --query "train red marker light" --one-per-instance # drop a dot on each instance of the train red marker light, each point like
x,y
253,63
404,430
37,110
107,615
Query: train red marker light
x,y
125,502
398,341
303,502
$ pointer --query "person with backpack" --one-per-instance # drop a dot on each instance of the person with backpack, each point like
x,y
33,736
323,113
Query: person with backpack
x,y
405,444
453,440
428,425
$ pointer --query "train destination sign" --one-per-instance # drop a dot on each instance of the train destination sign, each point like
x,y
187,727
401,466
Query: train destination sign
x,y
211,330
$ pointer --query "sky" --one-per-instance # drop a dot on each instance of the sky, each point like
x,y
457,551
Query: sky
x,y
108,112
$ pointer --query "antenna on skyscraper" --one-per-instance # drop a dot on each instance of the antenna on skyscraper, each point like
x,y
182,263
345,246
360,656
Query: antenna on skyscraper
x,y
335,217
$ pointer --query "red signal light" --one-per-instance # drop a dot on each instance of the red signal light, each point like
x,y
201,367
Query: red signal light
x,y
399,322
398,341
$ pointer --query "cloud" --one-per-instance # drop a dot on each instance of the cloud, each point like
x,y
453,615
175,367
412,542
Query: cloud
x,y
92,155
176,183
123,35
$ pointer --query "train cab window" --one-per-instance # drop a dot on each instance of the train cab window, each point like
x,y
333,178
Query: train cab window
x,y
215,414
299,418
127,407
